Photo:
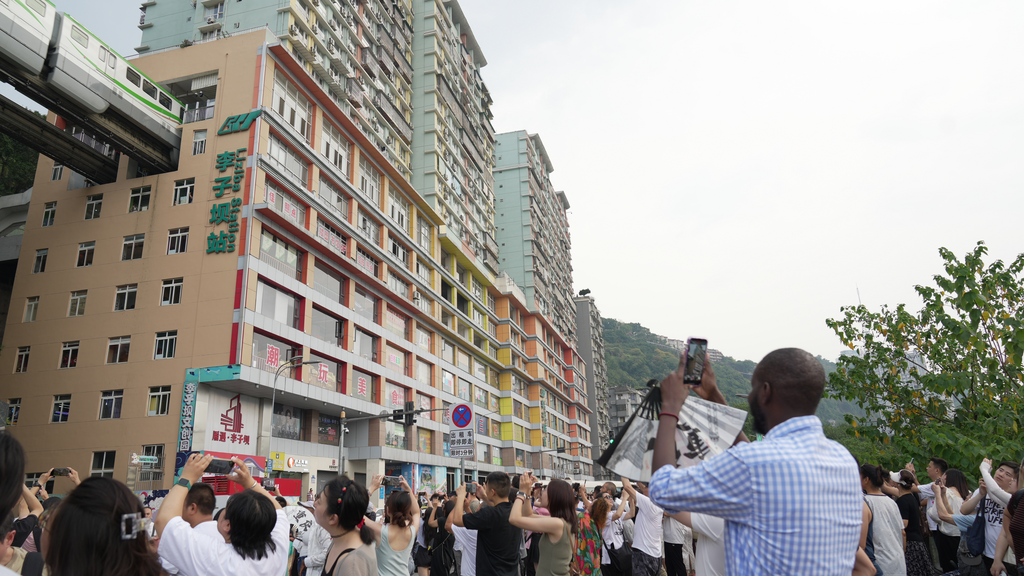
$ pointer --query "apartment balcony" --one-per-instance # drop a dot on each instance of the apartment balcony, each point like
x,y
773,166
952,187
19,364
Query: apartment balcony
x,y
369,63
354,92
404,68
393,116
321,65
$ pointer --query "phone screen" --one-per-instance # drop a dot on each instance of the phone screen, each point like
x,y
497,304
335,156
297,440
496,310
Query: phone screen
x,y
218,466
696,349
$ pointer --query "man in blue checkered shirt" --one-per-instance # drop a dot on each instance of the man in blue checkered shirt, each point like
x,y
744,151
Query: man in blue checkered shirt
x,y
792,503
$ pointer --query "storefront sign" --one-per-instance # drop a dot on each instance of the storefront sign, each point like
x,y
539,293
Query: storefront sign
x,y
188,406
231,420
277,461
298,463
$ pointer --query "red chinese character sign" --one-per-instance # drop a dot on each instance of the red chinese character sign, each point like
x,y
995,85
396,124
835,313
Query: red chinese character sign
x,y
462,437
231,422
273,356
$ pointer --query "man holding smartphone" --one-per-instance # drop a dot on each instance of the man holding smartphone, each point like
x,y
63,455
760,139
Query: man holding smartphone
x,y
253,528
791,503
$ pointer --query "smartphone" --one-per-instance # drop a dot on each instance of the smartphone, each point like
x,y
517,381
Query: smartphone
x,y
61,472
267,483
392,481
218,466
471,487
696,349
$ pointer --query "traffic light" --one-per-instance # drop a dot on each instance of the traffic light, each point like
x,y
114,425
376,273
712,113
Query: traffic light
x,y
397,416
410,416
611,441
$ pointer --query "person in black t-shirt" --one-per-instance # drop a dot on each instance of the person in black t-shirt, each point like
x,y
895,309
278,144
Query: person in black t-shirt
x,y
919,560
497,549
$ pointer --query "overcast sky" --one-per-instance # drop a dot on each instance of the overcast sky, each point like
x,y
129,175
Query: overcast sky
x,y
738,169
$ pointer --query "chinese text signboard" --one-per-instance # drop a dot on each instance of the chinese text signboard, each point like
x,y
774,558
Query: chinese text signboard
x,y
221,241
462,435
188,406
231,421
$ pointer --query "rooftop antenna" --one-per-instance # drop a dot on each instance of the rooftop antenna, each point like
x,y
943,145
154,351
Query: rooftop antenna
x,y
859,303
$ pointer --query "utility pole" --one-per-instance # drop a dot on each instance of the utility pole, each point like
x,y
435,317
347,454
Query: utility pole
x,y
406,416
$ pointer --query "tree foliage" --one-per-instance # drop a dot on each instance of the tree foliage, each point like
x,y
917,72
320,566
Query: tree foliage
x,y
17,166
944,381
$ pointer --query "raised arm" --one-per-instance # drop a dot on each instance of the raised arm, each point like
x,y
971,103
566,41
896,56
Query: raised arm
x,y
673,395
971,503
628,487
683,518
942,508
34,507
241,476
43,479
621,508
432,521
547,524
175,499
460,502
1002,497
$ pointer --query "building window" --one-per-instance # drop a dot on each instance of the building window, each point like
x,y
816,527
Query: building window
x,y
177,240
159,400
93,205
153,472
327,327
85,254
21,364
124,297
334,197
132,248
278,305
40,264
31,308
117,349
291,106
369,181
198,142
49,213
57,173
166,342
216,12
69,355
171,293
184,190
110,404
280,255
61,408
399,211
13,410
367,262
329,283
400,252
103,464
288,159
77,307
335,147
398,286
138,200
424,236
368,227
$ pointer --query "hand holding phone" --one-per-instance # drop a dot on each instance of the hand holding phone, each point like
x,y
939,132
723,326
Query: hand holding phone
x,y
392,481
219,466
696,351
61,472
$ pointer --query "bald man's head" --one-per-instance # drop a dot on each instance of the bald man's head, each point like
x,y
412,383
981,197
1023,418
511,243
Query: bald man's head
x,y
796,381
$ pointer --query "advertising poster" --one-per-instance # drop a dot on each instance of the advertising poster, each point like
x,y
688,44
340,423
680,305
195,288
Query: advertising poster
x,y
232,422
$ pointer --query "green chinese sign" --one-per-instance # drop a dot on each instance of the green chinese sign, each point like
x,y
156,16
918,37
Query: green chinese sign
x,y
220,241
238,122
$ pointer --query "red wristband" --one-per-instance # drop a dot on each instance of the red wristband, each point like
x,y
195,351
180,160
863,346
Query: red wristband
x,y
676,416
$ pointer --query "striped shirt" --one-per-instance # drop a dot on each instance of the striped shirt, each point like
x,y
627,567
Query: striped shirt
x,y
792,502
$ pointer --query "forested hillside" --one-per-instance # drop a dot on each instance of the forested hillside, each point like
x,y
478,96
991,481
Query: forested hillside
x,y
634,357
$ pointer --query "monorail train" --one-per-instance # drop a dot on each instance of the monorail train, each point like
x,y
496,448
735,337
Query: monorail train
x,y
61,51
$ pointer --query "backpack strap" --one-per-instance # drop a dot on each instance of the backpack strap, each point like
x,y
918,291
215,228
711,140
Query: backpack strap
x,y
33,565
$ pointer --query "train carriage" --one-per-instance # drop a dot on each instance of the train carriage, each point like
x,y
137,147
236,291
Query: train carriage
x,y
26,32
85,68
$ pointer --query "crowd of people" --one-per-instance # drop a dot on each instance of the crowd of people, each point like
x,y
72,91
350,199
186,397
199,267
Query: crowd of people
x,y
793,503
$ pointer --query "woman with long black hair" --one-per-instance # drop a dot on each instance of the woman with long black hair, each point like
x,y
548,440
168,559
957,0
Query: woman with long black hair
x,y
340,509
885,522
442,549
560,530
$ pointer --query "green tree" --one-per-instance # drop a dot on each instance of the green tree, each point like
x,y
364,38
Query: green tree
x,y
17,166
945,381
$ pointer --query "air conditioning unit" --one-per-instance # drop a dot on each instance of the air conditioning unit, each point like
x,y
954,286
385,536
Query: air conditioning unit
x,y
293,30
416,296
210,19
333,24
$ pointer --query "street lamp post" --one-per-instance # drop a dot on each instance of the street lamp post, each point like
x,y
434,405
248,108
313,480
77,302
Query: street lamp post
x,y
290,363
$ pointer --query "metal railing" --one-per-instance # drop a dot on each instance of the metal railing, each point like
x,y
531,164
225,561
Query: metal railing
x,y
197,115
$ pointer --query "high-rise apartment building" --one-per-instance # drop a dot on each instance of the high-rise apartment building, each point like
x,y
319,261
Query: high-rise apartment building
x,y
164,306
591,348
533,230
622,403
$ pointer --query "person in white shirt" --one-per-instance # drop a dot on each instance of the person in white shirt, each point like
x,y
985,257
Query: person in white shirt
x,y
466,539
252,525
648,531
612,535
317,543
678,546
710,532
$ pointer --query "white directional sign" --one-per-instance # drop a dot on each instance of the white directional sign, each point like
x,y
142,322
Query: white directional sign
x,y
461,434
